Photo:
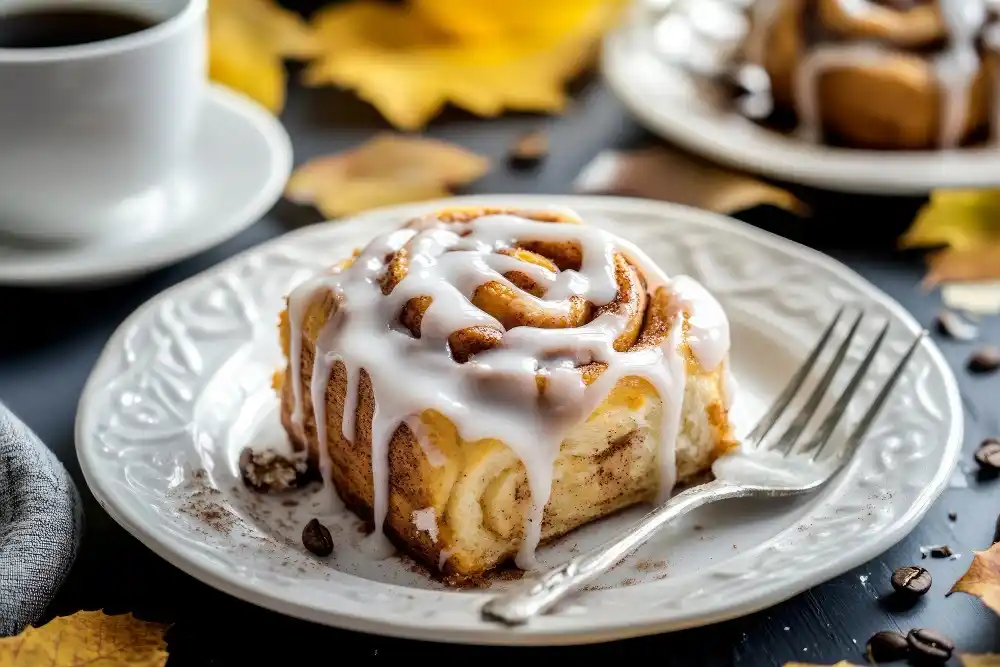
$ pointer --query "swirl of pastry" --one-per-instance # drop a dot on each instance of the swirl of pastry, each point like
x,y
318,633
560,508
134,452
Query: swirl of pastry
x,y
881,74
483,379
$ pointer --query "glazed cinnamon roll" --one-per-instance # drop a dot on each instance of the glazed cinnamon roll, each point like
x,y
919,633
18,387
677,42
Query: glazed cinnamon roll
x,y
481,380
881,74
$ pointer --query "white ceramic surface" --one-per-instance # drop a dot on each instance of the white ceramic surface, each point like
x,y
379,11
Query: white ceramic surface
x,y
94,130
184,384
241,159
697,116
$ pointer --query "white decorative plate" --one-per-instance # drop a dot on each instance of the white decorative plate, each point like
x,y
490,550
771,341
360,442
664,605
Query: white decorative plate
x,y
699,117
184,385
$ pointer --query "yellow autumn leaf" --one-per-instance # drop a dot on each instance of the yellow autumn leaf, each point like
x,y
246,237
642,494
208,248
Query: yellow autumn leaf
x,y
388,169
959,219
248,42
982,579
409,66
87,638
479,20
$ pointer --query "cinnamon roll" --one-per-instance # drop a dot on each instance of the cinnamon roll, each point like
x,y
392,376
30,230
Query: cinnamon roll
x,y
881,74
481,380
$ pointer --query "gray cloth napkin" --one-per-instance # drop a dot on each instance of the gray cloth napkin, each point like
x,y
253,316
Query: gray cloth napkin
x,y
41,520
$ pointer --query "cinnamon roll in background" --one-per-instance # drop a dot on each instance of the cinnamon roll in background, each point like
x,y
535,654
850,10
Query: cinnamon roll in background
x,y
481,380
881,74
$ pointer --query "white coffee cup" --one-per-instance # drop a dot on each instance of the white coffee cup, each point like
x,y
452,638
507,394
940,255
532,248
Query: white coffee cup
x,y
91,134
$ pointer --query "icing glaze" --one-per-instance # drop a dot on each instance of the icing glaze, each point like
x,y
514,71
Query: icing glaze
x,y
495,393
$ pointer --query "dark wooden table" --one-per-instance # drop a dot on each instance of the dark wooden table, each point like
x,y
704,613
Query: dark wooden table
x,y
49,341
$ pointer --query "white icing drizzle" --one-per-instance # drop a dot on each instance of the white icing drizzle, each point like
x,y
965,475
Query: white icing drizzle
x,y
493,395
425,520
955,68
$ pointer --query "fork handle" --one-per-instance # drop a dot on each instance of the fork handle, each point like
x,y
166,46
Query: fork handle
x,y
539,594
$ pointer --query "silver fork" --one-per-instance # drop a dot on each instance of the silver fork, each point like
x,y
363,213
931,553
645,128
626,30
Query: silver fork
x,y
762,468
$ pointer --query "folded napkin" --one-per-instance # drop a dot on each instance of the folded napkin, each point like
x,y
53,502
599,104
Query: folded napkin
x,y
40,524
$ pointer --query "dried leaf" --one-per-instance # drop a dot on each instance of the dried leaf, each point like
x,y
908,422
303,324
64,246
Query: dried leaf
x,y
949,265
87,638
388,169
479,20
248,40
959,219
410,63
981,659
966,223
662,173
983,578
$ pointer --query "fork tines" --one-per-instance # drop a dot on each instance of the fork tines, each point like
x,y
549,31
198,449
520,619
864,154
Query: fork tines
x,y
786,442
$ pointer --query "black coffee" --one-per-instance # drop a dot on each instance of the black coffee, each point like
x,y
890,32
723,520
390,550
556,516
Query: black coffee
x,y
46,28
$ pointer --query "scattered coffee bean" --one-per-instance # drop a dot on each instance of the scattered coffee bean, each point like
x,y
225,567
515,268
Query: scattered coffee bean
x,y
988,454
952,516
996,532
929,646
528,150
911,580
950,324
270,472
887,646
984,360
942,551
316,538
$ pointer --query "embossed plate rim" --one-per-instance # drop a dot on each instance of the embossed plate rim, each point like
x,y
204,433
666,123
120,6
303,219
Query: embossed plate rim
x,y
459,621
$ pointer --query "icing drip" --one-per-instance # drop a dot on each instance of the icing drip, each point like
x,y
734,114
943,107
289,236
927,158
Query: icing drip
x,y
495,393
955,68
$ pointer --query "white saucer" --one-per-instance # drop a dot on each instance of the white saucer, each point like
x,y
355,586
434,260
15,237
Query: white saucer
x,y
241,160
699,118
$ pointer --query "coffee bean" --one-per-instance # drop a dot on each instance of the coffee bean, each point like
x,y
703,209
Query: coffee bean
x,y
528,150
929,646
996,532
316,538
911,580
887,646
942,551
988,454
269,471
984,360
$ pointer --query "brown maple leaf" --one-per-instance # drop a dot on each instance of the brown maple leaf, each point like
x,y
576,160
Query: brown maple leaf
x,y
388,169
982,578
670,175
87,638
